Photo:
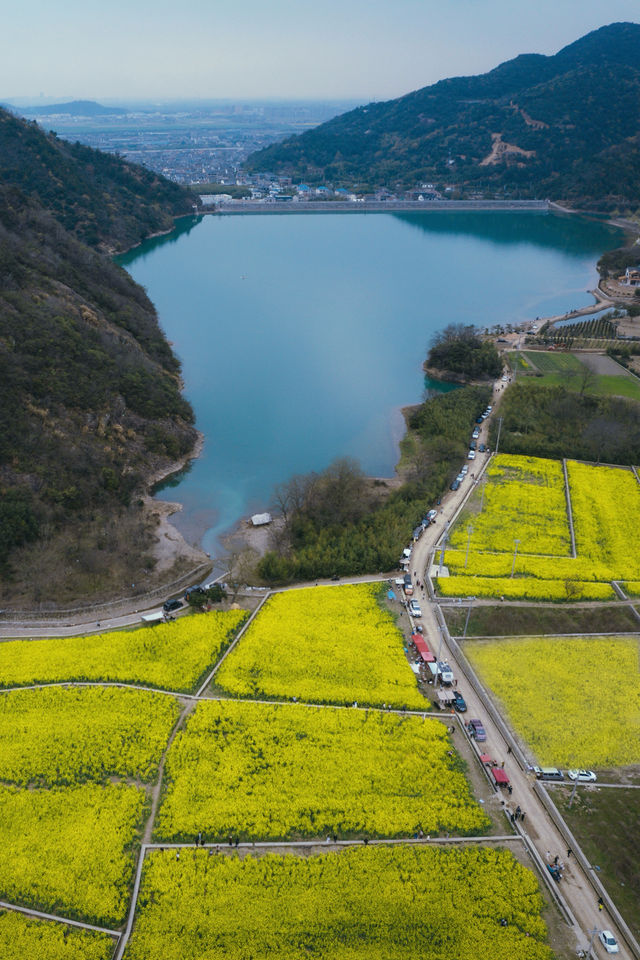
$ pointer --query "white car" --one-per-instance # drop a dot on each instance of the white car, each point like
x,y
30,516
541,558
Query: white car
x,y
582,776
414,608
471,455
608,941
475,434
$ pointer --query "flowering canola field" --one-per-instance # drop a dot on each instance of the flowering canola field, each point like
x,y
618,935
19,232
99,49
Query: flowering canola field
x,y
58,735
524,501
524,497
171,656
365,903
290,771
323,645
575,701
25,938
68,849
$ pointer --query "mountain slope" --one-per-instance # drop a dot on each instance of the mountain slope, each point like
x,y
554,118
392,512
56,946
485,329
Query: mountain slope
x,y
90,406
99,197
565,126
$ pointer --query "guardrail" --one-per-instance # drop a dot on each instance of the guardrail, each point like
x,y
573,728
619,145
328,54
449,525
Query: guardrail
x,y
599,889
115,607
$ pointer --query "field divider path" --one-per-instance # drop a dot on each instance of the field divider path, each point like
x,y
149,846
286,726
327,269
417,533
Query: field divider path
x,y
567,494
203,686
635,473
99,683
40,915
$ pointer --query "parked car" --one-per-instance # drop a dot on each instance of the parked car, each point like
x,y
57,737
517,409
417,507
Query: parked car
x,y
446,673
431,515
459,702
582,776
489,408
548,773
475,434
476,730
170,605
479,419
455,485
414,608
473,445
408,585
482,448
608,941
471,455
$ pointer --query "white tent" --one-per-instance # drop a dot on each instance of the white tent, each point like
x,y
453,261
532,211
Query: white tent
x,y
259,519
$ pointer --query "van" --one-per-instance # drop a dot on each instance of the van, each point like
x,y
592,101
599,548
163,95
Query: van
x,y
408,585
548,773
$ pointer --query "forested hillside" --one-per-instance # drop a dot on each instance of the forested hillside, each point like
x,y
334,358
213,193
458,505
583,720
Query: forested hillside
x,y
100,198
564,127
91,404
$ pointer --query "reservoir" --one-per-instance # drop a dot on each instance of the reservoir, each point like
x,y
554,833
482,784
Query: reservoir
x,y
301,337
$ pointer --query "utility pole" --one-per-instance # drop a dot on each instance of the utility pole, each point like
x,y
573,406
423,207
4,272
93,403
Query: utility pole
x,y
515,554
444,544
466,623
499,429
484,483
592,934
466,558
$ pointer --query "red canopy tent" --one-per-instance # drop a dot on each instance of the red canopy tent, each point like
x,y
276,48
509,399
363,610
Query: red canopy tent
x,y
422,648
499,777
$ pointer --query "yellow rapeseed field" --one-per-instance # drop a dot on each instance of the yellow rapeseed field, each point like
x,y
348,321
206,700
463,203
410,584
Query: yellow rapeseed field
x,y
170,656
522,588
281,771
373,903
59,735
323,645
524,497
524,500
575,701
68,849
25,938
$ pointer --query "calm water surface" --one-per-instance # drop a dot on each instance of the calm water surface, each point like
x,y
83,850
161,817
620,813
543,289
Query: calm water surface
x,y
302,336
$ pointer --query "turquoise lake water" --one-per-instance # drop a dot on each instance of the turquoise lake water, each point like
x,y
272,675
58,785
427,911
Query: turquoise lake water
x,y
302,336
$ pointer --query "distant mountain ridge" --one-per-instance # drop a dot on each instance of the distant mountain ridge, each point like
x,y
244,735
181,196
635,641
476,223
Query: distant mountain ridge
x,y
74,108
565,127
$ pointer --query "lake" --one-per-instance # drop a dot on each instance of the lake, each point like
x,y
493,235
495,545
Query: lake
x,y
302,336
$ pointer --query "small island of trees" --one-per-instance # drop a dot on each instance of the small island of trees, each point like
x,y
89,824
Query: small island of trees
x,y
458,350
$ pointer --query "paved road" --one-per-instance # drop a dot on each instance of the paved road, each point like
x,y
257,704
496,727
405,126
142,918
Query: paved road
x,y
575,886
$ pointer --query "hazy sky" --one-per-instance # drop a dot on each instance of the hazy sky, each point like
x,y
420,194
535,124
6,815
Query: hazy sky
x,y
365,49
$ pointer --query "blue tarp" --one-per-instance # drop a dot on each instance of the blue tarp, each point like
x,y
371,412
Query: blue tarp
x,y
390,595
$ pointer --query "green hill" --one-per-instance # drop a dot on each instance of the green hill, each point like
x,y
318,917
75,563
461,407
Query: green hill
x,y
90,406
564,127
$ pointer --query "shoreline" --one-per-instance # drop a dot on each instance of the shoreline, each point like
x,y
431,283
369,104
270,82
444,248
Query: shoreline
x,y
171,547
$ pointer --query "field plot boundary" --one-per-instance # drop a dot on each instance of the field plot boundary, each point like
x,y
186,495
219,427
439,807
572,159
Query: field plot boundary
x,y
56,918
323,846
